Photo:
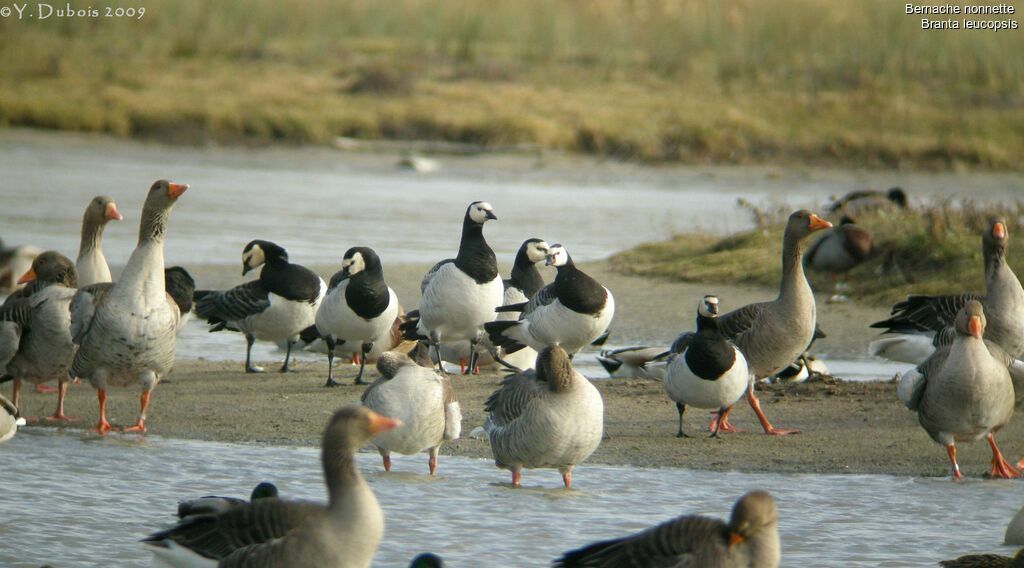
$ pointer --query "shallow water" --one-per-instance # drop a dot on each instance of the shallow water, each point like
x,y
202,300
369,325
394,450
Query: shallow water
x,y
75,499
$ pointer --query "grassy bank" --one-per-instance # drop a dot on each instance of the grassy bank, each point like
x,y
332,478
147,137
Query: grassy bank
x,y
738,81
932,249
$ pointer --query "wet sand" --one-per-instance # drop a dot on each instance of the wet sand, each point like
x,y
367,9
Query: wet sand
x,y
847,427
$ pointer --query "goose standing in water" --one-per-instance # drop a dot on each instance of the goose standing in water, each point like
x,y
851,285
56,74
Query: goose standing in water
x,y
10,419
551,417
422,400
919,320
571,312
131,336
277,532
42,347
460,294
359,308
771,335
91,264
965,390
749,540
277,306
708,371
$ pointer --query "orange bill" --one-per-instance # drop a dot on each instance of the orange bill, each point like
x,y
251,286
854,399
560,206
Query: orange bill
x,y
816,223
974,326
112,213
174,190
380,423
999,231
27,277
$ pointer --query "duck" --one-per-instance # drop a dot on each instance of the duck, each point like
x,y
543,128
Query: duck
x,y
707,371
422,400
637,362
773,334
213,505
869,200
964,391
547,417
359,308
14,261
280,532
279,305
840,249
571,312
459,295
928,316
986,561
805,367
42,349
91,264
10,419
749,539
131,335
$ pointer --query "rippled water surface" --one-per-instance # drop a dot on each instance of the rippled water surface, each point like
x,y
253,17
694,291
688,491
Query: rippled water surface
x,y
74,499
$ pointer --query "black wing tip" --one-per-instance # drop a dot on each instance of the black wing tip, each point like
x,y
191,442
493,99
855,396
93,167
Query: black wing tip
x,y
511,307
610,365
310,334
602,339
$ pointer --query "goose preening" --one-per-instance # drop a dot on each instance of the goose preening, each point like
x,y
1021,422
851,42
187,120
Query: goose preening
x,y
214,505
91,264
460,294
633,362
867,200
771,335
35,328
965,390
14,261
359,309
986,561
571,312
275,307
422,400
840,249
749,540
707,371
548,417
918,319
278,532
131,335
10,419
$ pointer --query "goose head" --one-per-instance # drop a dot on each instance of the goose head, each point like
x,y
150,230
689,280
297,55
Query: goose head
x,y
259,252
162,194
51,267
100,211
390,362
264,490
554,367
534,250
754,513
970,320
897,196
802,224
359,259
479,212
995,237
557,256
708,306
352,426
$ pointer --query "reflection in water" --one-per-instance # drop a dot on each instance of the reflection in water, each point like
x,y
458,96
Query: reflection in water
x,y
80,500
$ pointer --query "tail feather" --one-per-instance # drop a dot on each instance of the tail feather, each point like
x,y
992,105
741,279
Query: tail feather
x,y
496,332
600,341
609,364
310,334
511,307
452,421
410,327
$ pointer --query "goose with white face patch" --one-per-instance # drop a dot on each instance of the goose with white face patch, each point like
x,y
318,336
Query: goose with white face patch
x,y
522,285
707,371
359,308
276,307
91,264
571,312
460,295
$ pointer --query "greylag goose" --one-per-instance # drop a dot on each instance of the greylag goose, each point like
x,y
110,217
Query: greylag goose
x,y
551,417
571,312
131,336
986,561
422,400
277,532
10,419
359,308
707,371
460,294
749,540
867,200
277,306
43,306
633,362
771,335
14,261
214,505
964,391
840,249
1003,302
91,264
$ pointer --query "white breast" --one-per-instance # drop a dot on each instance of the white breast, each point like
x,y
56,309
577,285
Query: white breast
x,y
455,306
683,386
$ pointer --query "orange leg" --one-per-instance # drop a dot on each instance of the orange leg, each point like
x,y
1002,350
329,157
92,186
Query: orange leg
x,y
462,366
140,424
58,415
16,393
40,387
567,479
1000,469
517,478
432,464
722,418
102,426
355,358
951,451
387,462
768,428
